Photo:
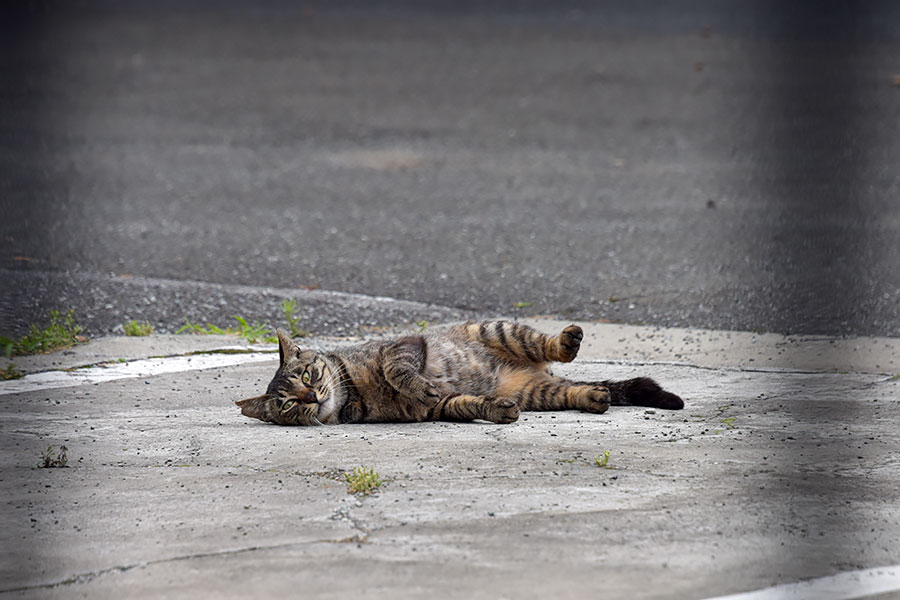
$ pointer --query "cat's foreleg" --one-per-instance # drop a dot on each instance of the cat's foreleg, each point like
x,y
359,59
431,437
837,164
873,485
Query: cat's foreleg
x,y
519,343
402,364
469,408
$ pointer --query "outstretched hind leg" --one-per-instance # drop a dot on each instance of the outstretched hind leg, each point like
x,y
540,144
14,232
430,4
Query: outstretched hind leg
x,y
515,342
541,391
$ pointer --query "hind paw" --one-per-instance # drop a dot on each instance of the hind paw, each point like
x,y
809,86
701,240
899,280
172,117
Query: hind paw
x,y
501,410
595,400
569,343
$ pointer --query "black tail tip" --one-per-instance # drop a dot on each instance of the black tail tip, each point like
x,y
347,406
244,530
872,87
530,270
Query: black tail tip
x,y
643,391
669,401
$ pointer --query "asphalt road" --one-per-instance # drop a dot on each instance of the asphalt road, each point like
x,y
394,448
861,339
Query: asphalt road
x,y
728,166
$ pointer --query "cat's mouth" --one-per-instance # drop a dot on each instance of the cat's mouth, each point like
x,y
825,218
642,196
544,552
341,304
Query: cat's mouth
x,y
325,408
314,420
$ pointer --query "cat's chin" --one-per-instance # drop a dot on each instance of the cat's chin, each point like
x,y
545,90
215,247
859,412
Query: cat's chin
x,y
327,411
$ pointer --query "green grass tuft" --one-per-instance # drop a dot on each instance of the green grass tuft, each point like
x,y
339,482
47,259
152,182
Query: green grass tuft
x,y
255,332
521,304
289,306
602,460
62,332
362,481
11,372
51,459
252,333
133,328
193,328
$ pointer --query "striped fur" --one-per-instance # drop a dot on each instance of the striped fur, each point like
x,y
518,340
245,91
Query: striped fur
x,y
489,370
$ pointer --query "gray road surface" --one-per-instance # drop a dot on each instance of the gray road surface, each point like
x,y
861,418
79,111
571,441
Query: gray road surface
x,y
728,166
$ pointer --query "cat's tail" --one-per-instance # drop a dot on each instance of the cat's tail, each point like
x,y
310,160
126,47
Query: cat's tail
x,y
641,391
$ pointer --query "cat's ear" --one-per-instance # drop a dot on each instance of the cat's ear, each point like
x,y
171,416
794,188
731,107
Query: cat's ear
x,y
255,408
286,347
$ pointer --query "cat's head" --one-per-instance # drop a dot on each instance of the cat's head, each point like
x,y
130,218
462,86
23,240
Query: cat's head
x,y
302,391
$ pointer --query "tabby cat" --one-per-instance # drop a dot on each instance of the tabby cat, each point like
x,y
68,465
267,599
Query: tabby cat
x,y
489,370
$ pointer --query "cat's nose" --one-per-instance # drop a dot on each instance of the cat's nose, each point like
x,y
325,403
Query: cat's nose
x,y
311,397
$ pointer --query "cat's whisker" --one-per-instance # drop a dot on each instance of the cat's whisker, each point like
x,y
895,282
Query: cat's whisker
x,y
334,378
311,417
338,385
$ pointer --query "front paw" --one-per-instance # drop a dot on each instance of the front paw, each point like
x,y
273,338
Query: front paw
x,y
569,342
426,394
501,410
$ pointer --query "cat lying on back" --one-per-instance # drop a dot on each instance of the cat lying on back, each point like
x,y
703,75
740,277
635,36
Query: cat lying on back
x,y
488,370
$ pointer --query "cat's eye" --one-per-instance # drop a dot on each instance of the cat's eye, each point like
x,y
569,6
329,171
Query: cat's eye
x,y
305,377
288,404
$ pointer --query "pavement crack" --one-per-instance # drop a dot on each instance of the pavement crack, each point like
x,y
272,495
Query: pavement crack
x,y
109,363
82,578
343,514
719,368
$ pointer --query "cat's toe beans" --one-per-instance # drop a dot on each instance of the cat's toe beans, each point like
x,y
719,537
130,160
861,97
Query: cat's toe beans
x,y
570,342
574,332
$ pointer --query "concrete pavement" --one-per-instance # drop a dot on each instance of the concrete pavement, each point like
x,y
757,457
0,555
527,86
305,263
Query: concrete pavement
x,y
779,469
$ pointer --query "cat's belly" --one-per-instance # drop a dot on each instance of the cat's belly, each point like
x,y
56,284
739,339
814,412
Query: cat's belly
x,y
455,369
472,384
